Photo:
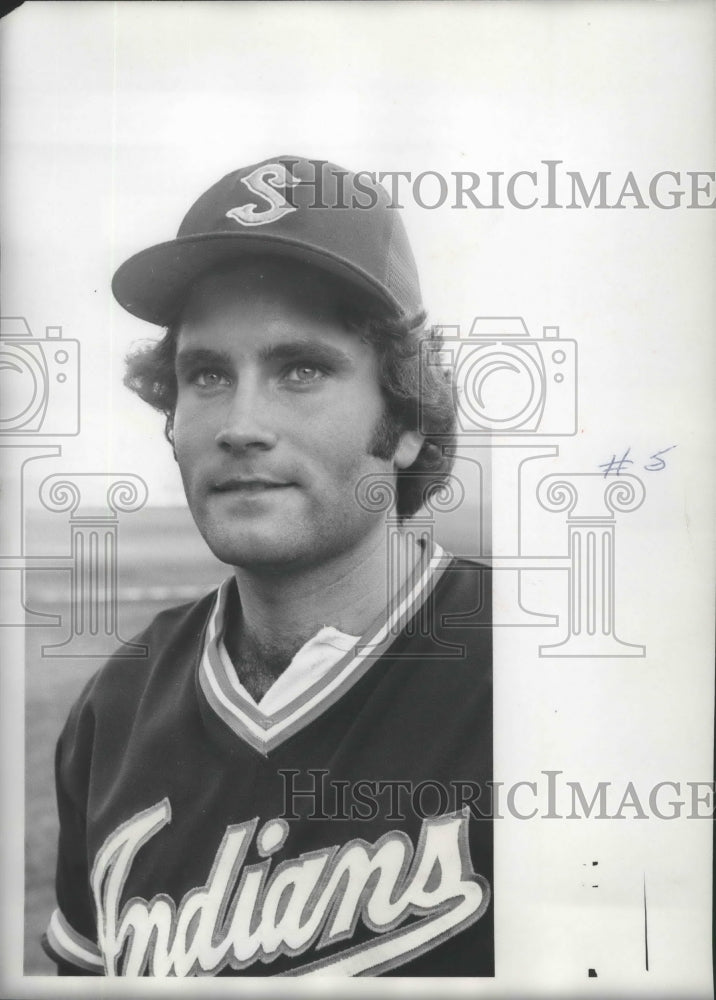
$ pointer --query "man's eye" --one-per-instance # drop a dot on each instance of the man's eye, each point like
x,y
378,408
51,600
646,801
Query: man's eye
x,y
305,374
209,378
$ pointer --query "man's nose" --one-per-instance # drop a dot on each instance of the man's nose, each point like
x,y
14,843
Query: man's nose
x,y
247,422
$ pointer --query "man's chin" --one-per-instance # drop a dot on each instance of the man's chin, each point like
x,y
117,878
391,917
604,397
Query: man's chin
x,y
257,551
248,534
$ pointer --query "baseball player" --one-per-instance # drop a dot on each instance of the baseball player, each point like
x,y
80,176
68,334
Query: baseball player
x,y
292,780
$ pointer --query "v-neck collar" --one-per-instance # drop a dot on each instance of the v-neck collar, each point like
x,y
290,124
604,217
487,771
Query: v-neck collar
x,y
217,678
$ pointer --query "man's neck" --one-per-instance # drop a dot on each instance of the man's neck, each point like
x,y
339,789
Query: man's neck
x,y
282,610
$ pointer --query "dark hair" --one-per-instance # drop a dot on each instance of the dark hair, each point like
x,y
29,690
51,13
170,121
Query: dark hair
x,y
418,395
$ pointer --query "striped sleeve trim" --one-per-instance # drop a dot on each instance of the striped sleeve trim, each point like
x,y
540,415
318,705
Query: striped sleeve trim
x,y
64,944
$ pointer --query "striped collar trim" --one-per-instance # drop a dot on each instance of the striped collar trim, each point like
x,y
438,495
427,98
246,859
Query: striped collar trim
x,y
218,681
65,944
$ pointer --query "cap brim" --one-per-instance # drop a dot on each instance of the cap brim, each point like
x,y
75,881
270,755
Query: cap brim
x,y
154,283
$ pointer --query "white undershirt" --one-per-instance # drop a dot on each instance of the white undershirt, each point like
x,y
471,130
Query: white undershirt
x,y
312,662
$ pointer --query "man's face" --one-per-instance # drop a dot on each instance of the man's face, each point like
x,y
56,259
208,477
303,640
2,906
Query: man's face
x,y
277,403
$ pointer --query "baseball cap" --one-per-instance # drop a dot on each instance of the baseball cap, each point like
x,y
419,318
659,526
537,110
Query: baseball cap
x,y
287,206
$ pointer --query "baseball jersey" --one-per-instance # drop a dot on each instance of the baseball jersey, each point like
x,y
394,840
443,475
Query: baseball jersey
x,y
345,833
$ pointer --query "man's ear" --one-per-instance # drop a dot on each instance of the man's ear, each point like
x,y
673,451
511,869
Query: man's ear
x,y
408,449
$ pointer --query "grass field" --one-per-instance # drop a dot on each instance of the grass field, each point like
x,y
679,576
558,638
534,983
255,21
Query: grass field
x,y
162,562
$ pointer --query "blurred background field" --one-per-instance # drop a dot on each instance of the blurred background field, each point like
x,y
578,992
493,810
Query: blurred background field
x,y
162,562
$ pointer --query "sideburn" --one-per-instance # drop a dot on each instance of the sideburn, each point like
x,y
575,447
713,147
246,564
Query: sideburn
x,y
385,437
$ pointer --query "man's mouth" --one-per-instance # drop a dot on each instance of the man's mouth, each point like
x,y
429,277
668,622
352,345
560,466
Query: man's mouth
x,y
249,484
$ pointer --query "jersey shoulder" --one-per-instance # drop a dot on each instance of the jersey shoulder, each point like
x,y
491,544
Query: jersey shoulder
x,y
169,646
465,583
